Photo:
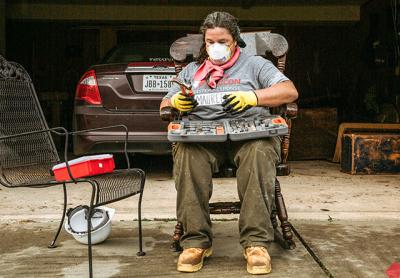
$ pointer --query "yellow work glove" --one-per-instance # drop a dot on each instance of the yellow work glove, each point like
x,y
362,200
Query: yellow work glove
x,y
236,102
182,102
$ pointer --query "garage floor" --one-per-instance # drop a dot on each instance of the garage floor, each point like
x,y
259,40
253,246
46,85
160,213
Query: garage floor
x,y
351,223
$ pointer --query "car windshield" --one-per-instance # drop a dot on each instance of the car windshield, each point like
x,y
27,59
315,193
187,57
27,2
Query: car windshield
x,y
138,52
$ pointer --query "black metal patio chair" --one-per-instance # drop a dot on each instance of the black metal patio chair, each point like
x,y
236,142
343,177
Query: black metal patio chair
x,y
27,151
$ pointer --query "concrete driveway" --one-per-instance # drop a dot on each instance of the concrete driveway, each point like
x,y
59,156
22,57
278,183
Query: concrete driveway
x,y
350,223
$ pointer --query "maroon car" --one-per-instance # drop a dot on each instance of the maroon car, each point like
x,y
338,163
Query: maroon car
x,y
125,88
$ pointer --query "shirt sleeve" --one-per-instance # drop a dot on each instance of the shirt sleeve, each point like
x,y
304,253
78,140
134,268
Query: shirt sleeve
x,y
186,76
270,75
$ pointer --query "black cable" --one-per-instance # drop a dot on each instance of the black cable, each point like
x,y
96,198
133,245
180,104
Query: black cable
x,y
311,252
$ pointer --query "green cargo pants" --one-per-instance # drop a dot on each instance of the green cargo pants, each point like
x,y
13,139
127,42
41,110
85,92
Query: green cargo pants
x,y
194,164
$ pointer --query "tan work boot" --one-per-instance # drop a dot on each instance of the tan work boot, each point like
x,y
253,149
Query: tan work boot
x,y
258,260
191,259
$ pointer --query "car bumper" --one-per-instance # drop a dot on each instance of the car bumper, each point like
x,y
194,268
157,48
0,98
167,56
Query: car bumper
x,y
94,143
147,133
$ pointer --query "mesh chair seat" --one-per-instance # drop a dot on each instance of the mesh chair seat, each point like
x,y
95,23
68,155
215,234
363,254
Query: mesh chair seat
x,y
118,179
28,175
118,185
113,186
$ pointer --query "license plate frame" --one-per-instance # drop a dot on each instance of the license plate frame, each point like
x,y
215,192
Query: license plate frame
x,y
157,82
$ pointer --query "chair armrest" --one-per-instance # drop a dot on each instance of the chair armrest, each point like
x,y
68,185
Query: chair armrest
x,y
95,129
167,113
288,110
54,130
124,127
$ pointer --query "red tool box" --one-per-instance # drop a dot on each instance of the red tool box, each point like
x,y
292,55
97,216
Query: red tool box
x,y
85,166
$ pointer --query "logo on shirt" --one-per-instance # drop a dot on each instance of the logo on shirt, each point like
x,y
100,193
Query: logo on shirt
x,y
229,81
224,81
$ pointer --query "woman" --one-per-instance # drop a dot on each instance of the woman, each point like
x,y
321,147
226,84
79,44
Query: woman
x,y
227,84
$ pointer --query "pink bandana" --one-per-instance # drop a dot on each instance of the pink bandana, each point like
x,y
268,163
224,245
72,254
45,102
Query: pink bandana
x,y
213,73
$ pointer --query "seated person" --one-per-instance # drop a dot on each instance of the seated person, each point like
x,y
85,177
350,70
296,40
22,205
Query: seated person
x,y
227,83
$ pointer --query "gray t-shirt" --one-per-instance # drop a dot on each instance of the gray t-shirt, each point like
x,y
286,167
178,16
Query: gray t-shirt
x,y
248,73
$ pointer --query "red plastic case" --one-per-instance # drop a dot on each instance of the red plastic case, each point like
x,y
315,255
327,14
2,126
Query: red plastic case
x,y
85,166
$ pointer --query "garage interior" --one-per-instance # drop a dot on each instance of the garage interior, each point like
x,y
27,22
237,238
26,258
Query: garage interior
x,y
344,60
343,55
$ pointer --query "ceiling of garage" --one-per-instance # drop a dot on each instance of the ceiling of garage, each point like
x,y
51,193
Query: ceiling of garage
x,y
174,10
226,3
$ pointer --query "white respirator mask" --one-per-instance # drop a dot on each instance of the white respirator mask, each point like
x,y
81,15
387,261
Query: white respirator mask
x,y
219,53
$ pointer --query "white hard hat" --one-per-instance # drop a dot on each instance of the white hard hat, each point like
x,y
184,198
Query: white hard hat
x,y
76,223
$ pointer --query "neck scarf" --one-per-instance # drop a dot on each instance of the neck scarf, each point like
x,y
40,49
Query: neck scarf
x,y
213,73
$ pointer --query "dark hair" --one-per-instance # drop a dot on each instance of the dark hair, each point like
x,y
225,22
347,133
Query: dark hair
x,y
223,20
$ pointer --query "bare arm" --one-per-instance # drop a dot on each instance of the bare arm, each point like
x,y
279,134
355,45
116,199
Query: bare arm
x,y
165,103
278,94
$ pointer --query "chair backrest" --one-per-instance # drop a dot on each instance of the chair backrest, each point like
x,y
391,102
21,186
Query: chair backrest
x,y
21,112
185,49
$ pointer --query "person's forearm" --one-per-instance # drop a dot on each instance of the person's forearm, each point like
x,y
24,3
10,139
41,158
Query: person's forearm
x,y
278,94
166,102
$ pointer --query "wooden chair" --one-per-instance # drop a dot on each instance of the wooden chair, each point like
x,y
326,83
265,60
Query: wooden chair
x,y
183,51
27,151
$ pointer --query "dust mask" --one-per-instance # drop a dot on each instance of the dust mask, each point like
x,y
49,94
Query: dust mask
x,y
219,53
